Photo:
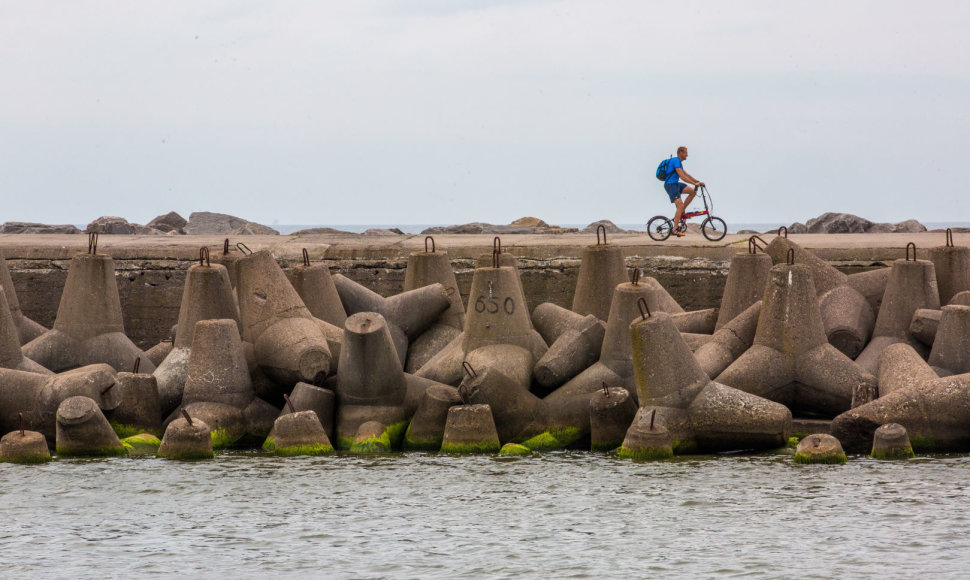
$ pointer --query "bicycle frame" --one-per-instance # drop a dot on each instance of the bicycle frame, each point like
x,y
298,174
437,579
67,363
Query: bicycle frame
x,y
706,211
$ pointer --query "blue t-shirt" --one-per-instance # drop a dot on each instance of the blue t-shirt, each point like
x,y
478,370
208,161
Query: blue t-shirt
x,y
672,164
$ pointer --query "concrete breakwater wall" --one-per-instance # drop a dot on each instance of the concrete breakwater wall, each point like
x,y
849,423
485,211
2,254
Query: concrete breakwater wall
x,y
150,272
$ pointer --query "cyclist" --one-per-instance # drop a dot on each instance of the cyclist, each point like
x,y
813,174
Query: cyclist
x,y
675,189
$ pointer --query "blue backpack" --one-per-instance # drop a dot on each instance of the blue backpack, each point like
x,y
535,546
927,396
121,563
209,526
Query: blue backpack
x,y
662,171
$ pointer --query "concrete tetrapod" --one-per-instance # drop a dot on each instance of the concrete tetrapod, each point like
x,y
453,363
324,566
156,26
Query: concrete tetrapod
x,y
847,316
407,314
790,361
470,429
427,427
912,285
924,325
951,349
729,342
891,441
289,344
89,327
300,433
11,357
602,268
819,448
206,295
37,396
24,446
615,365
497,314
700,414
27,329
574,343
952,266
646,440
901,367
186,438
371,437
745,283
424,269
139,410
315,286
611,412
934,411
83,431
227,424
217,370
306,397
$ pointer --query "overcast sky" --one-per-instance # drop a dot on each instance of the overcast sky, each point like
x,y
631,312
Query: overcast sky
x,y
450,111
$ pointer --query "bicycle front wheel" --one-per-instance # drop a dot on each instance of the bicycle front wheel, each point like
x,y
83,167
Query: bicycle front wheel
x,y
659,227
713,228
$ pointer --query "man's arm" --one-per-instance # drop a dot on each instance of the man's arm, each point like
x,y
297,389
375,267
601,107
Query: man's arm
x,y
688,177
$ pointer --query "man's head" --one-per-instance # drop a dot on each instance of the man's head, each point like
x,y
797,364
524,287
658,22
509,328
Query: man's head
x,y
682,153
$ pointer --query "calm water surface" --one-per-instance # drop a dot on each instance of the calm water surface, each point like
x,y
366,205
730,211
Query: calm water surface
x,y
564,515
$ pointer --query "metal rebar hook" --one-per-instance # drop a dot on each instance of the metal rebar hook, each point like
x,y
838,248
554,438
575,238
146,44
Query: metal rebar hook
x,y
204,257
791,256
785,229
426,244
949,238
653,415
135,367
606,390
636,276
93,243
243,248
914,251
289,403
753,246
495,257
598,228
644,309
105,390
225,247
497,244
469,370
187,418
306,258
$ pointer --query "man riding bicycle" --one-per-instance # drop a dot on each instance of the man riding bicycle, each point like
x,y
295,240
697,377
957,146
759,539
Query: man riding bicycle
x,y
675,189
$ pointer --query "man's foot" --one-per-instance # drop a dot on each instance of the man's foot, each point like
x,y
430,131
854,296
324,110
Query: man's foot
x,y
679,233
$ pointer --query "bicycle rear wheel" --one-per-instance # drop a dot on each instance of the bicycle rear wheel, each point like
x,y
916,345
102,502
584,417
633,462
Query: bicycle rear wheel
x,y
659,227
713,228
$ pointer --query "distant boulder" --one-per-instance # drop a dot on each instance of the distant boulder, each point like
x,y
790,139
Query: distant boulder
x,y
796,228
531,222
845,223
109,224
312,231
34,228
611,228
209,223
479,228
382,232
170,222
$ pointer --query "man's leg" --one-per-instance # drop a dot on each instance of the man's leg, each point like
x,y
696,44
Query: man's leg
x,y
691,192
680,209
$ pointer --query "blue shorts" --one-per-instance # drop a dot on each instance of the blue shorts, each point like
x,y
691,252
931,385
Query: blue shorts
x,y
674,190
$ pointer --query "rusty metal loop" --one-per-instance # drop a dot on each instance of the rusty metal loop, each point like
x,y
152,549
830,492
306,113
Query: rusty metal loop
x,y
225,247
753,246
105,390
243,248
785,228
606,390
426,244
204,257
636,276
289,403
93,243
306,258
644,309
497,244
135,367
469,369
495,258
914,251
598,228
21,416
791,256
949,238
653,415
450,291
187,418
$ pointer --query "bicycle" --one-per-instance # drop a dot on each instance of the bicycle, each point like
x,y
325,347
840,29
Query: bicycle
x,y
661,227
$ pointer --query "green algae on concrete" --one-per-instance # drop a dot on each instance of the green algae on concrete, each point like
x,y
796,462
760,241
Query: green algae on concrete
x,y
395,433
828,459
106,451
221,439
412,444
377,444
315,449
649,454
124,431
792,442
269,445
514,450
34,459
485,447
894,454
142,444
553,439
